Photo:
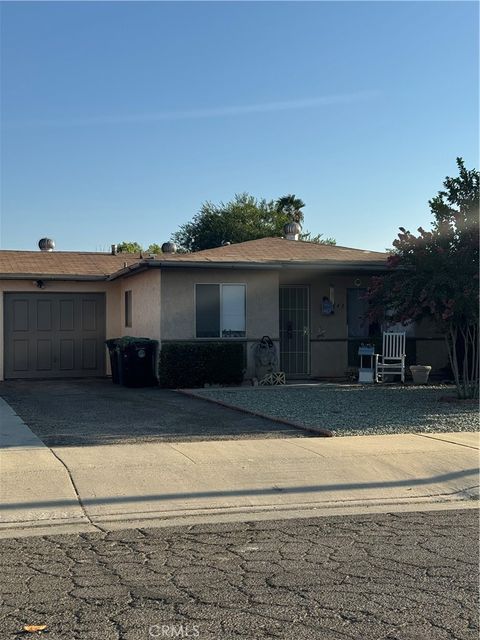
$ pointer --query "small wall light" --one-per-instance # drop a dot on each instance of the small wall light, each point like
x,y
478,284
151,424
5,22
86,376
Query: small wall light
x,y
40,284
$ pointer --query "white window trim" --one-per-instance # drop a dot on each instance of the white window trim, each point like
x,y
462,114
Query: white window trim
x,y
221,285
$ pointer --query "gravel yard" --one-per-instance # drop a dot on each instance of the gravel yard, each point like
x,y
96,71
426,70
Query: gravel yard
x,y
356,410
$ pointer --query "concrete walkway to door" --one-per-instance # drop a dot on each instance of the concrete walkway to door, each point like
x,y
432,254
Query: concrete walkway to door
x,y
97,412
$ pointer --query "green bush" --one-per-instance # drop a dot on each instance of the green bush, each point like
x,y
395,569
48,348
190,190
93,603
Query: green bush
x,y
194,364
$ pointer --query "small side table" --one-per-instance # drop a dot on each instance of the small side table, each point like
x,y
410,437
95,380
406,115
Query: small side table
x,y
368,359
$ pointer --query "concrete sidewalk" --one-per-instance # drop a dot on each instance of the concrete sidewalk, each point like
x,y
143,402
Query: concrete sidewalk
x,y
70,489
31,474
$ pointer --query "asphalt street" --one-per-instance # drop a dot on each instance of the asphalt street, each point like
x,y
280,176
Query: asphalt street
x,y
404,576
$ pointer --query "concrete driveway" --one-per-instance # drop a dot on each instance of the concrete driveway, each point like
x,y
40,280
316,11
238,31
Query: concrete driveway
x,y
97,412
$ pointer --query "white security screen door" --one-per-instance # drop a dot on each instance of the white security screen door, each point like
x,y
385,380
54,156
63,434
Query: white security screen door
x,y
295,330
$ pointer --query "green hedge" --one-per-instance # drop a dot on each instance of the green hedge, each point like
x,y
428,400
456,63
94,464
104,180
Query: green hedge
x,y
194,364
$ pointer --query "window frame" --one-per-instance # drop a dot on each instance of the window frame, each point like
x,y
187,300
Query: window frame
x,y
128,308
220,285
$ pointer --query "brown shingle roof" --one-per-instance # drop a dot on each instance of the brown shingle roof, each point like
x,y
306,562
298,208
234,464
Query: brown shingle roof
x,y
279,250
263,251
62,263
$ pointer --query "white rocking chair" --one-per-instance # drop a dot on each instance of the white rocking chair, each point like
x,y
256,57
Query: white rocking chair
x,y
392,360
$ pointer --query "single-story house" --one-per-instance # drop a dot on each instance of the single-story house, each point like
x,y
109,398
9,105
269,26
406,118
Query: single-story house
x,y
57,308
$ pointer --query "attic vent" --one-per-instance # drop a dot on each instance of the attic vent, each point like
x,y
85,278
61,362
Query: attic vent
x,y
292,230
169,247
46,244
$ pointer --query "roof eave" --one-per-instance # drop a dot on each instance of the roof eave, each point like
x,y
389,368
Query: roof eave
x,y
133,269
272,264
327,265
53,276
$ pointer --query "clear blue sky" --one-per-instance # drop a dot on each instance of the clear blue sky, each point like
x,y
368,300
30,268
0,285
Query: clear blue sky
x,y
120,119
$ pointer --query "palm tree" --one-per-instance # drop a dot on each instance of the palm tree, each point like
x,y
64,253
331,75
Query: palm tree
x,y
291,207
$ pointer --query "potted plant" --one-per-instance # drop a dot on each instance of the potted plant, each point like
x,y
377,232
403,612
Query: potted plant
x,y
420,373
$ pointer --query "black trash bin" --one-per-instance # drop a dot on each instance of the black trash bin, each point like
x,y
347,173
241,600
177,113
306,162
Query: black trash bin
x,y
133,361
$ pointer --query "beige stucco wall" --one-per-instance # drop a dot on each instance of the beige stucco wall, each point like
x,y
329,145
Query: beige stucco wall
x,y
328,334
163,308
431,346
332,327
112,303
178,303
328,359
145,288
433,353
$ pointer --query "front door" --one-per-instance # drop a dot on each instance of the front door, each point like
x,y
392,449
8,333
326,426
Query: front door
x,y
295,330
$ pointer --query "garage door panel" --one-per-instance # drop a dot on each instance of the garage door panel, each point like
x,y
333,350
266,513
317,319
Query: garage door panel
x,y
66,315
67,354
20,355
44,315
44,355
89,353
20,315
54,335
89,315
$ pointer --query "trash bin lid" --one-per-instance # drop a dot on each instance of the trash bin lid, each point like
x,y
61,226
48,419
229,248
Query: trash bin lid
x,y
126,341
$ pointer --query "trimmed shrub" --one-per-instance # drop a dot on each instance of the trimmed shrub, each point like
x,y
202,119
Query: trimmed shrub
x,y
194,364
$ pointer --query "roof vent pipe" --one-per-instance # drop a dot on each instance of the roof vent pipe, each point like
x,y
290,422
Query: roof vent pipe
x,y
114,249
292,230
46,244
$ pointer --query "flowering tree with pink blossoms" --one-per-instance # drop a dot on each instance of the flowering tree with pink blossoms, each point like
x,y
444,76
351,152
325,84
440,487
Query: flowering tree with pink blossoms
x,y
435,274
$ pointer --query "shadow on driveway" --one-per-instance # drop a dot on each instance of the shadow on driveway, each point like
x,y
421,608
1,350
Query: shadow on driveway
x,y
97,412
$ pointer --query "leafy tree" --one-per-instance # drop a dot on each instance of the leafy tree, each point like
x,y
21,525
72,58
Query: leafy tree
x,y
243,218
135,247
129,247
435,274
154,248
319,239
291,207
